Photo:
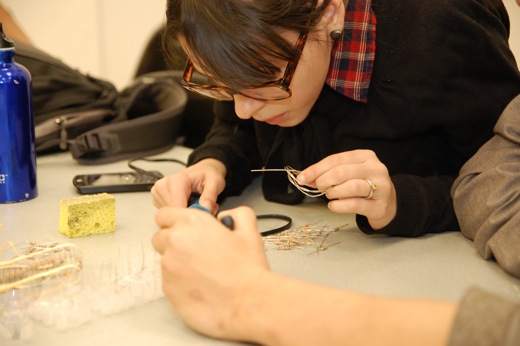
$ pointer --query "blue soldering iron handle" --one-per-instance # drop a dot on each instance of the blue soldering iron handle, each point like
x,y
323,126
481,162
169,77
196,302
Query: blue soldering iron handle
x,y
194,204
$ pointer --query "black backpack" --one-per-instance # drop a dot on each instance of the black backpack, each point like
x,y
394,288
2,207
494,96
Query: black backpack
x,y
96,122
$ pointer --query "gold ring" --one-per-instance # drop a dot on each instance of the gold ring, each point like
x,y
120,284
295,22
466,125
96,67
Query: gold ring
x,y
372,186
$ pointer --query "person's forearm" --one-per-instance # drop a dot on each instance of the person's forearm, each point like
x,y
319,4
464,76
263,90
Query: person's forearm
x,y
396,321
279,310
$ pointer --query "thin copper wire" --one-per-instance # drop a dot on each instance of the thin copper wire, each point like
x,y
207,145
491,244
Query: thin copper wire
x,y
302,237
291,175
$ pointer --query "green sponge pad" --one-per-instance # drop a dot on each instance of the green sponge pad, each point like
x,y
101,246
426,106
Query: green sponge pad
x,y
87,215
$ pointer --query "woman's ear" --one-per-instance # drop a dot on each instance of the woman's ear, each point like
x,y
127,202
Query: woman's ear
x,y
333,18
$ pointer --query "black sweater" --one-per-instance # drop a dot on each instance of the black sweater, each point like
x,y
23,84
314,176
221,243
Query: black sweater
x,y
443,73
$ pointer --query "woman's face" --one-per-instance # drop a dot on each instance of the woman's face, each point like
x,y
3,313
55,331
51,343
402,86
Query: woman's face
x,y
309,78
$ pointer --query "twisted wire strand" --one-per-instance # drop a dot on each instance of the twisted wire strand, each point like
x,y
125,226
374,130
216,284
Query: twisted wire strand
x,y
41,263
291,175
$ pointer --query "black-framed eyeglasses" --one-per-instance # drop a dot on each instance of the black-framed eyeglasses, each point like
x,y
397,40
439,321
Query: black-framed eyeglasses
x,y
270,91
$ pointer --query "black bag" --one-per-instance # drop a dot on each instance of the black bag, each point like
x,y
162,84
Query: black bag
x,y
96,122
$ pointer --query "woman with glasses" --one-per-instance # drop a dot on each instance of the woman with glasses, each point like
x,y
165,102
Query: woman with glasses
x,y
378,103
440,76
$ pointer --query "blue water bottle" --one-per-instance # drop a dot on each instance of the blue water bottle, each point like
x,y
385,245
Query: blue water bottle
x,y
17,150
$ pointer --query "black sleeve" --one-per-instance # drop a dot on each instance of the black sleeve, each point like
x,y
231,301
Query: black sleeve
x,y
232,141
443,68
415,196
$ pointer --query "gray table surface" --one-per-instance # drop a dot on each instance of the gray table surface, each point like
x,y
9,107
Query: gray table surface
x,y
440,266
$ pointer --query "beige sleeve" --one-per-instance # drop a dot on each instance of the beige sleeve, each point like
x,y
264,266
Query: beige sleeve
x,y
486,195
486,319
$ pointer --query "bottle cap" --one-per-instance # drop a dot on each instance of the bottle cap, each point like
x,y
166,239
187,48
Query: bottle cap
x,y
5,42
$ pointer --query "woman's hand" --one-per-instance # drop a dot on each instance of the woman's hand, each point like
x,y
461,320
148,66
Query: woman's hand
x,y
206,178
207,268
344,177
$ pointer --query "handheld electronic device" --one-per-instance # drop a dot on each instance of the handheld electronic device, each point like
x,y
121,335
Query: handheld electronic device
x,y
116,182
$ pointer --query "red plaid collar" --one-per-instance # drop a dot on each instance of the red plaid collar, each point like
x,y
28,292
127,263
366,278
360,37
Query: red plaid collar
x,y
353,56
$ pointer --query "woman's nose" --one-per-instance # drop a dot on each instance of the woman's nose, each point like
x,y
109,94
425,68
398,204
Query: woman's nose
x,y
245,107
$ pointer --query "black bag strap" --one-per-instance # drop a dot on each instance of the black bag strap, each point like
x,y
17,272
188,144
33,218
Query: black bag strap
x,y
153,107
96,122
59,89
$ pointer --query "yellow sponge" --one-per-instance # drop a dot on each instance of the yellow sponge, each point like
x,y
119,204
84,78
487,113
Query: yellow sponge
x,y
87,215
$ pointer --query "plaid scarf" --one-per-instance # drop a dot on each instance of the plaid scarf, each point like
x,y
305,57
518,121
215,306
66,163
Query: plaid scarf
x,y
353,56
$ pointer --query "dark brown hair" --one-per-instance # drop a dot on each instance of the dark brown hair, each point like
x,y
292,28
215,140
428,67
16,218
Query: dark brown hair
x,y
236,41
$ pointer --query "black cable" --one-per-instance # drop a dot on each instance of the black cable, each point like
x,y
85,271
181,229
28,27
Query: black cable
x,y
275,217
142,171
